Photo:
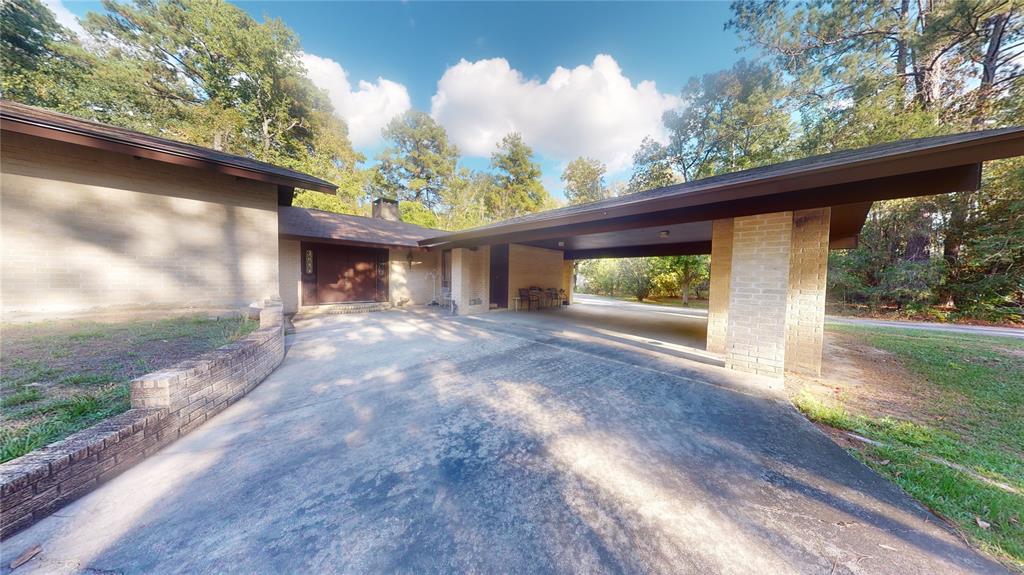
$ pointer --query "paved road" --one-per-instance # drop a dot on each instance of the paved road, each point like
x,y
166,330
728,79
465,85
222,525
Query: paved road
x,y
403,442
593,300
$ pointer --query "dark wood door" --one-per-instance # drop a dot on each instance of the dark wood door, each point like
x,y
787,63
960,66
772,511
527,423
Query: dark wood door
x,y
499,275
348,274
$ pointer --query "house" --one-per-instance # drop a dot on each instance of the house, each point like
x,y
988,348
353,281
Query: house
x,y
97,216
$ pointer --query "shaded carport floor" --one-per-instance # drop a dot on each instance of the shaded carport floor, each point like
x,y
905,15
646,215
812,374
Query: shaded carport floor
x,y
408,442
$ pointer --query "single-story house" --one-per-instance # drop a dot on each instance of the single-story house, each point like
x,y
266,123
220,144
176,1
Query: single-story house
x,y
97,216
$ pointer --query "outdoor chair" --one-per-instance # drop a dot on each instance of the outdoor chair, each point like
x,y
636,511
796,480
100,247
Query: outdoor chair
x,y
529,297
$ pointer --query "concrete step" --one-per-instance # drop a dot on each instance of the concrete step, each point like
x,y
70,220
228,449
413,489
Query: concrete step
x,y
340,308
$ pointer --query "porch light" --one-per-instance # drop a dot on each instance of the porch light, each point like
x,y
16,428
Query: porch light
x,y
663,234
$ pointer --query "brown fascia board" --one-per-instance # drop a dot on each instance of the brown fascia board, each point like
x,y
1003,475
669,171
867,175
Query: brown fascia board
x,y
925,183
907,165
150,152
345,242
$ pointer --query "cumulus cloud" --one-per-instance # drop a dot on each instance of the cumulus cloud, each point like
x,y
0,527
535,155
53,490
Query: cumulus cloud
x,y
367,108
590,110
65,17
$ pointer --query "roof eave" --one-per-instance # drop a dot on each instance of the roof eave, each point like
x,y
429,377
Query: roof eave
x,y
970,152
40,129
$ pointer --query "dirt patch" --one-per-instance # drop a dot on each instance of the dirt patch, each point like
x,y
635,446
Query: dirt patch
x,y
868,381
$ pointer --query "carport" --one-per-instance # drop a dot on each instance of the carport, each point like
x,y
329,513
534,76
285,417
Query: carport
x,y
768,230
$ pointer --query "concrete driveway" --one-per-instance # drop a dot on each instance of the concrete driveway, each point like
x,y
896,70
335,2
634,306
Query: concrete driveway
x,y
514,443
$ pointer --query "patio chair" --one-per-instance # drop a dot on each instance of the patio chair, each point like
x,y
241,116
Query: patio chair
x,y
529,297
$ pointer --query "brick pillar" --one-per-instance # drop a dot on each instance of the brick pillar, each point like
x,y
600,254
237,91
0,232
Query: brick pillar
x,y
471,280
718,299
805,313
776,311
568,271
756,333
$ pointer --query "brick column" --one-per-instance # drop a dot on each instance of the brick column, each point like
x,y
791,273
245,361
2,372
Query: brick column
x,y
568,271
718,299
805,306
776,293
471,279
756,333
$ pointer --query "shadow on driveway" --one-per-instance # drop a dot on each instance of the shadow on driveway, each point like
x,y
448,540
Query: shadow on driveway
x,y
408,442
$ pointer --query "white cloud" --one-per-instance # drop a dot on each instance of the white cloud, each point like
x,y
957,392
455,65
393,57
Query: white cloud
x,y
66,18
590,110
368,108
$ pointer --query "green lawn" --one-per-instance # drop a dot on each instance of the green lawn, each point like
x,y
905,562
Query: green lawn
x,y
59,377
975,420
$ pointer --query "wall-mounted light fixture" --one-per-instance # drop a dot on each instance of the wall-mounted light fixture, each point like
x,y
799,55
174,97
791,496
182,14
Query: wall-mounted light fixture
x,y
663,234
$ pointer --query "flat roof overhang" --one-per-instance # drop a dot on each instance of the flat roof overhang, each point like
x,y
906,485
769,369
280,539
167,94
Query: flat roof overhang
x,y
675,220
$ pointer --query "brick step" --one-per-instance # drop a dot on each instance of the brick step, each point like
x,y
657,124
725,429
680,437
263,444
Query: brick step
x,y
341,308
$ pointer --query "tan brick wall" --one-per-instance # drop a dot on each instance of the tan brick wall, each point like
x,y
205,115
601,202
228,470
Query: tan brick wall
x,y
83,228
531,266
755,338
416,282
568,272
721,271
290,272
471,270
805,306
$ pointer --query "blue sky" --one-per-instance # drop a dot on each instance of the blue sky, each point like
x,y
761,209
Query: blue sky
x,y
575,78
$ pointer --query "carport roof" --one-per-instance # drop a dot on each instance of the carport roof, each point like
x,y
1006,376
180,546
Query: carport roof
x,y
328,227
675,219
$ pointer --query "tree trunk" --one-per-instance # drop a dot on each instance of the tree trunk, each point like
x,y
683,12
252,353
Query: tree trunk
x,y
902,51
989,66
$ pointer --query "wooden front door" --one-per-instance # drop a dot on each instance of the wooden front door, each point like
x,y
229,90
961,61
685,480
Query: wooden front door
x,y
344,274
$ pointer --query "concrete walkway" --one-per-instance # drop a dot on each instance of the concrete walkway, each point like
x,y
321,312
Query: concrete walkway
x,y
515,443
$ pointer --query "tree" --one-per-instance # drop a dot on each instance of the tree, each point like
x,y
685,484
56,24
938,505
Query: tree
x,y
688,272
637,276
651,168
413,212
729,120
518,188
584,181
204,72
324,202
41,63
420,162
463,203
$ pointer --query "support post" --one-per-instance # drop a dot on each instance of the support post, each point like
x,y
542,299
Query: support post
x,y
471,279
718,296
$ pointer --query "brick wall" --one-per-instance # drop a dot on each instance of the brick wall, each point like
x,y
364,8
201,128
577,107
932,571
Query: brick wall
x,y
165,405
568,274
755,337
290,274
471,270
532,266
718,298
84,228
805,306
416,282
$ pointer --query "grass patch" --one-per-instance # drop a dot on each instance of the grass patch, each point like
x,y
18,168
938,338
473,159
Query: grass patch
x,y
977,422
57,378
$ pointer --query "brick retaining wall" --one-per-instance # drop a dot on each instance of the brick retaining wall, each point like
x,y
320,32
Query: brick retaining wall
x,y
165,405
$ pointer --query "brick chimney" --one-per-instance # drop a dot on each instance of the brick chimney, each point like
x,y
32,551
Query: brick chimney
x,y
386,209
